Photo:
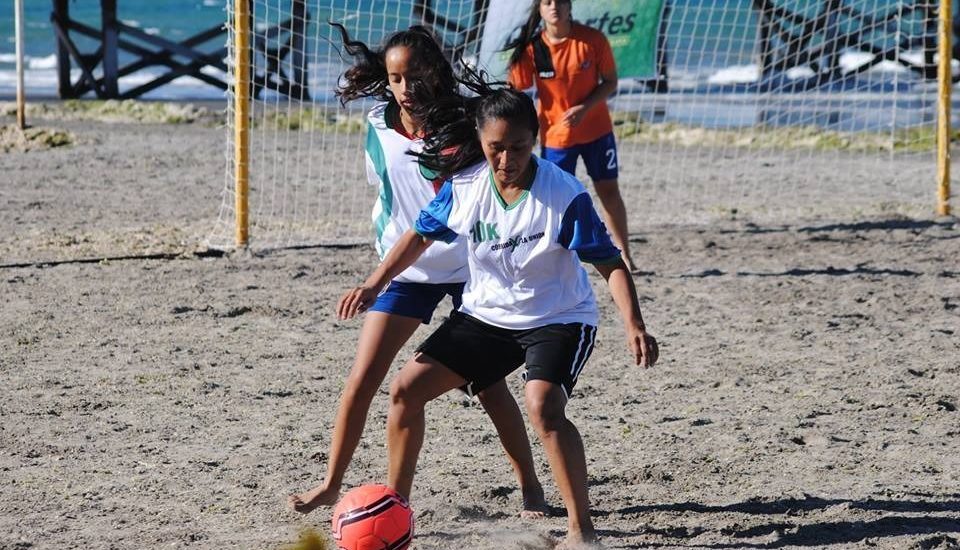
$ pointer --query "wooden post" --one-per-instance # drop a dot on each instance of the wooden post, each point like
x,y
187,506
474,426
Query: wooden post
x,y
764,39
945,84
21,97
298,59
662,84
108,28
831,52
241,137
61,12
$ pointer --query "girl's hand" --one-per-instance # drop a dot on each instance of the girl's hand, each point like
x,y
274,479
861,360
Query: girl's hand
x,y
644,347
574,115
355,300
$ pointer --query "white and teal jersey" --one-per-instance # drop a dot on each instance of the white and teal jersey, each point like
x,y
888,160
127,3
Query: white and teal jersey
x,y
525,258
405,188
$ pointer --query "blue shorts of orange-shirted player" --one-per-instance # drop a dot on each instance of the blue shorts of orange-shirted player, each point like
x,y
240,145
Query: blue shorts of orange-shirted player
x,y
599,156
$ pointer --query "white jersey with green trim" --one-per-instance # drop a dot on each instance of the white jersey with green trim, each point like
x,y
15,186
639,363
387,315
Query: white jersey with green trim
x,y
525,257
404,188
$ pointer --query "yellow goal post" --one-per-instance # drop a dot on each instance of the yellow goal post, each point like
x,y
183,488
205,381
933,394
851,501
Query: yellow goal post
x,y
944,85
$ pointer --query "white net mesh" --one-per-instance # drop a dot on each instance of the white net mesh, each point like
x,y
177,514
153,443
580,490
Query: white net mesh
x,y
771,111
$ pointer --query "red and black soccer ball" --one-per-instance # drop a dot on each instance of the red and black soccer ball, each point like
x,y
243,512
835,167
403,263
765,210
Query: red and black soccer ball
x,y
372,517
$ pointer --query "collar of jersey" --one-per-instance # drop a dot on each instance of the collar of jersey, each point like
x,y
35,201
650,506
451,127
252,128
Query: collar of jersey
x,y
391,117
496,192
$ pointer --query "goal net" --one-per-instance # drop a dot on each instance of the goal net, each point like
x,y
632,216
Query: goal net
x,y
766,111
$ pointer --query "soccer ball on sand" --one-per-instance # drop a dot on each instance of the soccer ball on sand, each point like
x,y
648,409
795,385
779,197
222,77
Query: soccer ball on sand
x,y
372,517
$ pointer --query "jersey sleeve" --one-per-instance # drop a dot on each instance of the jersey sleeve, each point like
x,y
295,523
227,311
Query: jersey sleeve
x,y
582,232
521,74
433,220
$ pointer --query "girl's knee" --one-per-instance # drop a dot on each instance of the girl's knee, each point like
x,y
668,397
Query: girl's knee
x,y
399,390
546,414
403,394
358,386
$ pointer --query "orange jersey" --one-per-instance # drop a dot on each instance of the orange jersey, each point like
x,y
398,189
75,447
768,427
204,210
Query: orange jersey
x,y
578,64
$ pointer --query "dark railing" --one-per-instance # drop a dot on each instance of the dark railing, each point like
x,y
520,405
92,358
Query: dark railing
x,y
114,36
277,55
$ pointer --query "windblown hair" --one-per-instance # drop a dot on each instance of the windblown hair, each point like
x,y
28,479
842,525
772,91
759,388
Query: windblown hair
x,y
368,76
528,33
451,124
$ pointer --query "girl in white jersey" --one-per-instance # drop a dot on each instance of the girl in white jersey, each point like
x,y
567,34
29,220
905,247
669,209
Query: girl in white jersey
x,y
411,64
529,226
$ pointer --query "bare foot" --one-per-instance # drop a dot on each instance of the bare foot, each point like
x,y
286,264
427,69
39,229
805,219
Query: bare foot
x,y
578,544
534,504
321,495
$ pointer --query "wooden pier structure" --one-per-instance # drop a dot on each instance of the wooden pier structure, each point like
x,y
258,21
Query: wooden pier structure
x,y
278,50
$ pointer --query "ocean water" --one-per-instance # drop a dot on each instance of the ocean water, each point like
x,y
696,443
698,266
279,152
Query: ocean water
x,y
173,19
710,47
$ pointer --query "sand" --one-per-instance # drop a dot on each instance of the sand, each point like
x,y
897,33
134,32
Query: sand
x,y
807,394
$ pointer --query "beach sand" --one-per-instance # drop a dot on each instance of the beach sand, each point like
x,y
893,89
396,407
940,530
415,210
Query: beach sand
x,y
806,397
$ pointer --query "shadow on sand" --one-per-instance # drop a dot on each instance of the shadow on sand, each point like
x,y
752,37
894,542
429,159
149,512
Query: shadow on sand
x,y
873,225
788,531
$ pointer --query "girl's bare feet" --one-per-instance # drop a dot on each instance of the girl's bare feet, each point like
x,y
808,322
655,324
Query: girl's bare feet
x,y
321,495
534,504
578,543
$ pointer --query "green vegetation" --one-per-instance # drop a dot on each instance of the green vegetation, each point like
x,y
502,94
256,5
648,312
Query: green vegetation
x,y
630,127
310,120
32,139
128,110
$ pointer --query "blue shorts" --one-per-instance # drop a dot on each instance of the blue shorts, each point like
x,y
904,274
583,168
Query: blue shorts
x,y
417,300
599,156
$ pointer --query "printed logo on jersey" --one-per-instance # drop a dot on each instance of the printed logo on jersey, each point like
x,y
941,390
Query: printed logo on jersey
x,y
513,242
483,232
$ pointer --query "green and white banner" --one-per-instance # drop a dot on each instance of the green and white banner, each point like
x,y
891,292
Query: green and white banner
x,y
631,26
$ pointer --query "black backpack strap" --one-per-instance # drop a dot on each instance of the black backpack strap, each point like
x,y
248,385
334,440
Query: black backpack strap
x,y
541,58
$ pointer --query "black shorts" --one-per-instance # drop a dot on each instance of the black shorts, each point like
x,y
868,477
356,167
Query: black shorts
x,y
484,354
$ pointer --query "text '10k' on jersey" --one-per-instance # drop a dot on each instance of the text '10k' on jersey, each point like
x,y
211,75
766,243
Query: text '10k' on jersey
x,y
525,258
404,189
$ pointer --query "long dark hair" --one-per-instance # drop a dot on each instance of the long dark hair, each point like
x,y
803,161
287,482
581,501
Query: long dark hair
x,y
451,124
368,75
528,33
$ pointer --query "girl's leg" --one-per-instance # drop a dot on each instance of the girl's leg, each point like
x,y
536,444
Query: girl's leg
x,y
615,212
505,414
546,406
381,337
420,381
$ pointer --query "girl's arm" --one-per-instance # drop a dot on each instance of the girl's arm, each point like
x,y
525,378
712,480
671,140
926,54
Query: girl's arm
x,y
406,251
624,295
606,88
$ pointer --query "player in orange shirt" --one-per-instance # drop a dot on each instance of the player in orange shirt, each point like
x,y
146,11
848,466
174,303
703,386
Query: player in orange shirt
x,y
573,69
